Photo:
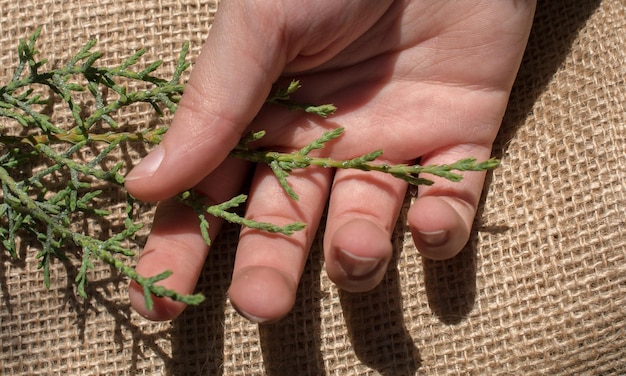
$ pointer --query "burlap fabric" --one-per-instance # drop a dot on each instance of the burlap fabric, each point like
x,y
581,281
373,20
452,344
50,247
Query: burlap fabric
x,y
539,289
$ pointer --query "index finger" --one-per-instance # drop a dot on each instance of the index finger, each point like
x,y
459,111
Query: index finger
x,y
228,85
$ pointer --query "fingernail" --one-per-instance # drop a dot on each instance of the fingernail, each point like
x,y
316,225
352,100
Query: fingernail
x,y
252,318
434,238
356,266
148,165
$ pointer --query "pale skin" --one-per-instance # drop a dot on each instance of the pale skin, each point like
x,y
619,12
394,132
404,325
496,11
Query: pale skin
x,y
426,80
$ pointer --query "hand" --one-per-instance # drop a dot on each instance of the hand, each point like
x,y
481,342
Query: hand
x,y
419,79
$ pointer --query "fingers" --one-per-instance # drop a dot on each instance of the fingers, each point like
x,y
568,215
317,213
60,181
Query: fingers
x,y
175,242
441,217
228,85
362,214
268,266
364,208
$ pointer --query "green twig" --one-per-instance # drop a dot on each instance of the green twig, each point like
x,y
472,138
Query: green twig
x,y
30,205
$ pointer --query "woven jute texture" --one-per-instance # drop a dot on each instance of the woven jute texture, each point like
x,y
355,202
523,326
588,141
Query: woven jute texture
x,y
539,289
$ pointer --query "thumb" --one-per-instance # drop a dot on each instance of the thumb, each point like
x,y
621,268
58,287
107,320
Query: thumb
x,y
230,80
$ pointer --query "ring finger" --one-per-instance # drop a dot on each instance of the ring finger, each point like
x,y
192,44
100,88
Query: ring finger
x,y
268,266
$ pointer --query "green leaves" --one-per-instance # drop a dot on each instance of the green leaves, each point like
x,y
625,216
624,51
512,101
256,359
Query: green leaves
x,y
282,164
51,204
283,97
223,211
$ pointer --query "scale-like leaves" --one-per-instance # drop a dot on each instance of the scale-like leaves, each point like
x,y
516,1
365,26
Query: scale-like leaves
x,y
52,214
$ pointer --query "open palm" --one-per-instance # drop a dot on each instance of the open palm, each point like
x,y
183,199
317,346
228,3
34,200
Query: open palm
x,y
425,80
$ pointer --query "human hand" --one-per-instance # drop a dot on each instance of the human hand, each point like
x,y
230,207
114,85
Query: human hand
x,y
425,80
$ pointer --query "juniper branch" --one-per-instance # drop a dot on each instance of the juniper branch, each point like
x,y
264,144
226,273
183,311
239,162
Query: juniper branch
x,y
29,205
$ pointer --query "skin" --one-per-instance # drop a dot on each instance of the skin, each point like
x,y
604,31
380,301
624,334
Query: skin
x,y
426,80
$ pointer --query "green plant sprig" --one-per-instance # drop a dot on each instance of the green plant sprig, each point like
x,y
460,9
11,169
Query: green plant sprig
x,y
51,214
30,204
283,164
282,97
